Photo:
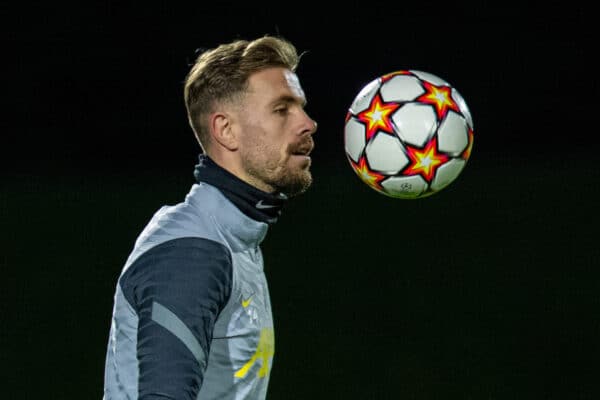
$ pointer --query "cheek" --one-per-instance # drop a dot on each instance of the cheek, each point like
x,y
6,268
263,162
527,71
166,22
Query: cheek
x,y
275,156
274,146
266,141
284,151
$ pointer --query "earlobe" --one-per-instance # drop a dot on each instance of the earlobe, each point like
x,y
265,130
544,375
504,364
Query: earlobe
x,y
222,131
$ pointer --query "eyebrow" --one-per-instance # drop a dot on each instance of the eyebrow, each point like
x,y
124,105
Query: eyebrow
x,y
290,99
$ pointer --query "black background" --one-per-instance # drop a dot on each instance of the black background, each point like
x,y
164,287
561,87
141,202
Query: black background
x,y
486,290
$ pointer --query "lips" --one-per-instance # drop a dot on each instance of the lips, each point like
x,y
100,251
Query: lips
x,y
303,149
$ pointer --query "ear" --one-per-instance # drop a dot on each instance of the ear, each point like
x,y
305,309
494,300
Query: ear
x,y
221,127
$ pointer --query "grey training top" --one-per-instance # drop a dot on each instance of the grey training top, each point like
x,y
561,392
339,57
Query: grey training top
x,y
192,314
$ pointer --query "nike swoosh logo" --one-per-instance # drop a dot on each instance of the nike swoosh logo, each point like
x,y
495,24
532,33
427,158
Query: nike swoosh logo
x,y
261,206
246,303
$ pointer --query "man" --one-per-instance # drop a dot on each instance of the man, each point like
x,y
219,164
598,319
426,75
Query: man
x,y
192,314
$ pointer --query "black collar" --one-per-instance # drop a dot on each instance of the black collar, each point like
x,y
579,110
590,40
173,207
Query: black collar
x,y
253,202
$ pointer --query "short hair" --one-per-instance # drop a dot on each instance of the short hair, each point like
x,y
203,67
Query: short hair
x,y
221,74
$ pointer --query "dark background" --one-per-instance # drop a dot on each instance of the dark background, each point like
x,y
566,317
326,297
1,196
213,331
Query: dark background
x,y
486,290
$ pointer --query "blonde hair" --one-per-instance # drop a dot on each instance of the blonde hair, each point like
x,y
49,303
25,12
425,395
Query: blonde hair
x,y
221,75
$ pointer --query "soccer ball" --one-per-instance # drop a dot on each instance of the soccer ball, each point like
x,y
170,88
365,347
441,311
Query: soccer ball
x,y
408,134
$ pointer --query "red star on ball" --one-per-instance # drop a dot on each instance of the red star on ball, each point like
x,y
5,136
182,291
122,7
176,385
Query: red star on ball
x,y
368,176
389,76
378,117
426,161
440,97
467,153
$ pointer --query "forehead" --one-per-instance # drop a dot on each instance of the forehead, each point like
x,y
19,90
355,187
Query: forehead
x,y
276,82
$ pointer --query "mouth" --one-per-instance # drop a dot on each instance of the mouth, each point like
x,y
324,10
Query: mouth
x,y
301,154
303,150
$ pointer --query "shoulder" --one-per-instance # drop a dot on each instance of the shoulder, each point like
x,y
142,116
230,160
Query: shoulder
x,y
179,268
194,217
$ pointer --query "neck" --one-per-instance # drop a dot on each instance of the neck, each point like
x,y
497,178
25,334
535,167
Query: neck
x,y
255,203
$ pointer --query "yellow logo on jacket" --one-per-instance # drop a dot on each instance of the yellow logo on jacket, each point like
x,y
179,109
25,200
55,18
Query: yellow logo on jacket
x,y
246,303
264,352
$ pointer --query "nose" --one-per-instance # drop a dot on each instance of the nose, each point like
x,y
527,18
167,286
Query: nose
x,y
310,125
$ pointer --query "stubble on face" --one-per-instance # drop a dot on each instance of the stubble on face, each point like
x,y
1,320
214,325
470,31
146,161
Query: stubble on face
x,y
270,163
270,167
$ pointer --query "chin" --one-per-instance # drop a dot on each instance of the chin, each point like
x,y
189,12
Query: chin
x,y
298,184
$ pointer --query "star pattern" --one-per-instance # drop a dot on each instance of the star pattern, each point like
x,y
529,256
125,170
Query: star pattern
x,y
348,116
440,97
389,76
426,161
378,117
467,153
368,176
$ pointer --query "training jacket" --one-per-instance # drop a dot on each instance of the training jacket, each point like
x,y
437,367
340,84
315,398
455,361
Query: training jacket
x,y
192,313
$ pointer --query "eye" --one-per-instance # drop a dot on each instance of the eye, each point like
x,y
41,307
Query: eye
x,y
281,110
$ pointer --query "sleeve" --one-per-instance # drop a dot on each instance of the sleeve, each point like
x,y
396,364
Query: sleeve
x,y
178,289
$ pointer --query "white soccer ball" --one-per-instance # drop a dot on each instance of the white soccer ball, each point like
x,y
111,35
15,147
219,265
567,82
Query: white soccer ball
x,y
408,134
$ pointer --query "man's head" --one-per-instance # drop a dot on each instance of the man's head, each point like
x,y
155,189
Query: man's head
x,y
246,107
